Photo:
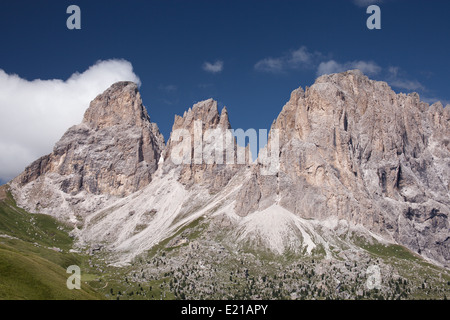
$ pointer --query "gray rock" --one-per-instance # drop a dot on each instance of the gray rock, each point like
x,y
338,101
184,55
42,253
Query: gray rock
x,y
113,152
352,148
198,171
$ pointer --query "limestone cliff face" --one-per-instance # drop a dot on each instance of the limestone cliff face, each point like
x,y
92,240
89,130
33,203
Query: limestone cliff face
x,y
113,152
353,149
350,149
206,160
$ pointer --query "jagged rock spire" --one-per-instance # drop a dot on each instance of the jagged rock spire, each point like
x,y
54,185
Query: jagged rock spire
x,y
204,116
113,152
120,104
224,122
353,149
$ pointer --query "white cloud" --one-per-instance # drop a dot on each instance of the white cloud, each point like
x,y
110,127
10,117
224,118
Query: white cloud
x,y
367,67
366,3
328,67
331,66
271,65
301,56
399,79
410,85
35,114
168,88
393,71
293,60
431,100
215,67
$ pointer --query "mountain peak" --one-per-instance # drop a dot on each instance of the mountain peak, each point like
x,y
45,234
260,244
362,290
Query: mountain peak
x,y
355,73
205,111
346,79
120,104
224,121
112,153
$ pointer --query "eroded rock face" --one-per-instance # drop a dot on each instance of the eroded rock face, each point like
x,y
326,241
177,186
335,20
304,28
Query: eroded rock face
x,y
352,148
113,152
203,127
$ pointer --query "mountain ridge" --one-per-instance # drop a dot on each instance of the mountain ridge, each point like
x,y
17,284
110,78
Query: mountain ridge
x,y
362,146
351,150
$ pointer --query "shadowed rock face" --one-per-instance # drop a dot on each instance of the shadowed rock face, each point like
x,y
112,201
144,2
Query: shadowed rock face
x,y
351,148
114,151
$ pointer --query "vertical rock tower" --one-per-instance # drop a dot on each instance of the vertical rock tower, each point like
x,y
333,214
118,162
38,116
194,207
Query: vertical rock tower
x,y
113,152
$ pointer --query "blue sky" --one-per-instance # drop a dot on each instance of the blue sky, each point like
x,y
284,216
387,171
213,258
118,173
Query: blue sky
x,y
248,55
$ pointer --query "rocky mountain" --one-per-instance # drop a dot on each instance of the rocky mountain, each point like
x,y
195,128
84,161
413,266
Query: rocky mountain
x,y
206,161
353,150
112,153
356,160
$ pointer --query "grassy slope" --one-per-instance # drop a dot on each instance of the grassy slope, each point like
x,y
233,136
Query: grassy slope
x,y
412,267
29,267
